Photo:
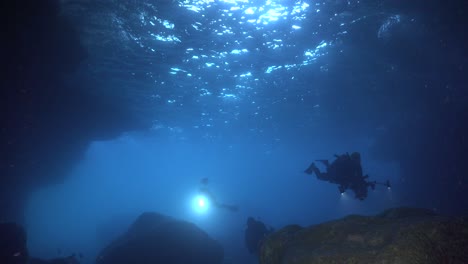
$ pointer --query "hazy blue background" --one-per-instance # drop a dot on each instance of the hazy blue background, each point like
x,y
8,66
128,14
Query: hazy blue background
x,y
247,94
119,179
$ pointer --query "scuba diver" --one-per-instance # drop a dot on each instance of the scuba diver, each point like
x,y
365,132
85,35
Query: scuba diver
x,y
346,171
255,235
209,195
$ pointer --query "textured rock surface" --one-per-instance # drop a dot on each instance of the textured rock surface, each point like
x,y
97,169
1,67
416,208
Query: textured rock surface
x,y
154,238
400,235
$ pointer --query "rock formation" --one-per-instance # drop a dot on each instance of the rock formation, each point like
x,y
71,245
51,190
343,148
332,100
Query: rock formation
x,y
400,235
155,238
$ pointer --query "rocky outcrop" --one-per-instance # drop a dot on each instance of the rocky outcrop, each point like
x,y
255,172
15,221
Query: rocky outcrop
x,y
49,110
400,235
73,259
155,238
13,248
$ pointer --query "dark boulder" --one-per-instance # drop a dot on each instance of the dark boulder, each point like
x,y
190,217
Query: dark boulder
x,y
66,260
155,238
13,248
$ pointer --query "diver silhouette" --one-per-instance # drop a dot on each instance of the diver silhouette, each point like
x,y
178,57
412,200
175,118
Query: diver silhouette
x,y
346,171
204,190
255,234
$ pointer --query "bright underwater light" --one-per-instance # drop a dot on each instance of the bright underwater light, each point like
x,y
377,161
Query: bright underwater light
x,y
200,204
344,196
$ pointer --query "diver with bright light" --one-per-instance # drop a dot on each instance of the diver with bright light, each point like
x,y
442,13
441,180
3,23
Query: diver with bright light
x,y
346,171
206,196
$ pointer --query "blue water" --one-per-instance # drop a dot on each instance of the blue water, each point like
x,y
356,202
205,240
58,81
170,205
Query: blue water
x,y
246,94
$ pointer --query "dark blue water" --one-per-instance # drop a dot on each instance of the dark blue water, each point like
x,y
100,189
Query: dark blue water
x,y
247,94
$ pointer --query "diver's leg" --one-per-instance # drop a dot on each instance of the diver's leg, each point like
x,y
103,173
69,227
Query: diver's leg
x,y
230,207
321,175
310,169
325,162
